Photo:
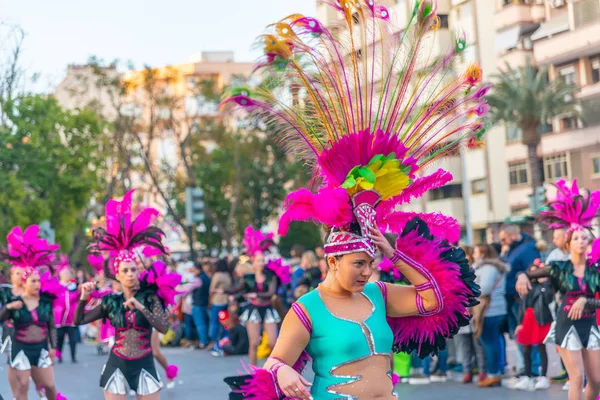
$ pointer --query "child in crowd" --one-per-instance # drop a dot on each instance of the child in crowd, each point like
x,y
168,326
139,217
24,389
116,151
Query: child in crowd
x,y
236,340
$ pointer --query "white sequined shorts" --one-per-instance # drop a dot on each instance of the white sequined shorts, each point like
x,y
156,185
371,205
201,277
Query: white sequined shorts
x,y
120,376
24,356
260,314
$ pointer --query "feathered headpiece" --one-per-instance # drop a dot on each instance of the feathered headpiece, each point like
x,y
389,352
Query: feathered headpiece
x,y
256,242
281,270
96,261
571,210
165,281
61,263
28,250
125,234
369,111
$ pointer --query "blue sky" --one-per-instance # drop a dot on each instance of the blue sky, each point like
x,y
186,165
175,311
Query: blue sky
x,y
154,32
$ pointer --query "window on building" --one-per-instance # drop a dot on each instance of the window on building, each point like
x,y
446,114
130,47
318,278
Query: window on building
x,y
590,111
544,127
443,21
478,186
556,167
585,12
596,164
595,64
518,173
568,123
568,74
513,134
452,191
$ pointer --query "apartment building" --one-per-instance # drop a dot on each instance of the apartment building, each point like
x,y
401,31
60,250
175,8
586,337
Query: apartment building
x,y
81,87
565,37
483,171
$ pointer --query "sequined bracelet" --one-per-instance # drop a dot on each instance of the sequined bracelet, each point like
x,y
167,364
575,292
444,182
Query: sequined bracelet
x,y
430,284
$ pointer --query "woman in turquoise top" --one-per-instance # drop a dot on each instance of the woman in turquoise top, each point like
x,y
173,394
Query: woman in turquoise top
x,y
369,112
342,326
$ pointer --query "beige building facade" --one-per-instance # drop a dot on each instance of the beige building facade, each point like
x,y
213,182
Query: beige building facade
x,y
81,87
563,35
483,171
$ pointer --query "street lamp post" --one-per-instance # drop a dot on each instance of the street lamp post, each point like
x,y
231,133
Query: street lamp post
x,y
466,195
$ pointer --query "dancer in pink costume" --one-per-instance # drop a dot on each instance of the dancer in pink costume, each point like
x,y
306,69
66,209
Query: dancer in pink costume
x,y
64,309
32,344
140,308
575,330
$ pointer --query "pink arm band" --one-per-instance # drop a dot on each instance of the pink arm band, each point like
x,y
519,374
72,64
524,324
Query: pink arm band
x,y
430,284
383,289
302,316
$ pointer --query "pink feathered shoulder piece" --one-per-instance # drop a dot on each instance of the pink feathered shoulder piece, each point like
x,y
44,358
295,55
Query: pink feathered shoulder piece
x,y
456,279
165,282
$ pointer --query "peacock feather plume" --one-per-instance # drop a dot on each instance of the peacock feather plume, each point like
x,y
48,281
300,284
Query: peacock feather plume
x,y
366,108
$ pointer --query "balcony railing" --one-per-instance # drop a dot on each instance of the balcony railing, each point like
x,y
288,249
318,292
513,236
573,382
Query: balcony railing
x,y
564,47
517,13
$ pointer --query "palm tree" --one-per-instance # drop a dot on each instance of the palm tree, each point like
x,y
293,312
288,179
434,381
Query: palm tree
x,y
524,97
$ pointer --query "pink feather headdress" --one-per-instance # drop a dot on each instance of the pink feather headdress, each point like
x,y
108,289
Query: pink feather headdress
x,y
96,261
572,209
256,242
27,249
127,235
369,112
165,281
62,263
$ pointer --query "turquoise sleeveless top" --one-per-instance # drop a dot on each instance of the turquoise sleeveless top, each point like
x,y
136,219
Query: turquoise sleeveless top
x,y
335,342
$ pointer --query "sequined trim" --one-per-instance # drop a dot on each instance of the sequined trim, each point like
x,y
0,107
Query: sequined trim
x,y
572,341
299,311
44,361
351,378
116,384
20,362
148,384
370,342
342,243
271,317
6,345
245,317
594,339
551,337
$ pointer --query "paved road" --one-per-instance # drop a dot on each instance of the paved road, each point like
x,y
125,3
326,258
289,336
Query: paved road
x,y
202,378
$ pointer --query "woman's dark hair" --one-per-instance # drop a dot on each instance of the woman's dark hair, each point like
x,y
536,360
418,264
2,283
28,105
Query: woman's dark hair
x,y
498,247
487,250
232,264
468,253
223,266
297,250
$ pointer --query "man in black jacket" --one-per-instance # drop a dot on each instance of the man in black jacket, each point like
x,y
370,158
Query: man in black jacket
x,y
200,297
519,251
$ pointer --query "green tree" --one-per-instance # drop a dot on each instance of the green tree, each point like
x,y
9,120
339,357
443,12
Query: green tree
x,y
306,234
525,98
49,164
242,173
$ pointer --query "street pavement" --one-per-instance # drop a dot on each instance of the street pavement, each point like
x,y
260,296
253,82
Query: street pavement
x,y
201,377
